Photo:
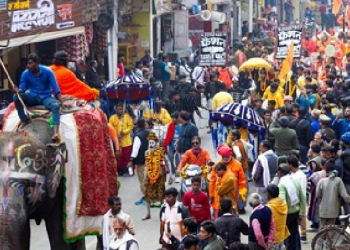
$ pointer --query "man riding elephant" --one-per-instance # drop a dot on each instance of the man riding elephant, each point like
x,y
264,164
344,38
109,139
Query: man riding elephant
x,y
40,82
67,80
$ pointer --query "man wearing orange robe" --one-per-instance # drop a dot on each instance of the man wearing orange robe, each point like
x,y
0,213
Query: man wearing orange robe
x,y
236,168
68,82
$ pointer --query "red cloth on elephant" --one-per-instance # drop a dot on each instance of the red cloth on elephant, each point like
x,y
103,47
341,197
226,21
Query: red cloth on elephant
x,y
98,164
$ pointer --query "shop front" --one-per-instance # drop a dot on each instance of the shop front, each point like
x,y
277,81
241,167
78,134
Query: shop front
x,y
134,34
43,27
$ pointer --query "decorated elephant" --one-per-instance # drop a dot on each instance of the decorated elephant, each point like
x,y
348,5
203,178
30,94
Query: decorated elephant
x,y
65,184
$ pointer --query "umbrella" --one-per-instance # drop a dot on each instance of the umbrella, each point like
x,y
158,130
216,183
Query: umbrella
x,y
236,113
128,88
256,63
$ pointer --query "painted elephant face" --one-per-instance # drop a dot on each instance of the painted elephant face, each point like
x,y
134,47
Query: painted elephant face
x,y
23,167
57,157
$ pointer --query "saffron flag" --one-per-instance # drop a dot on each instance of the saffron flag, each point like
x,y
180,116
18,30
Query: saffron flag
x,y
287,64
336,6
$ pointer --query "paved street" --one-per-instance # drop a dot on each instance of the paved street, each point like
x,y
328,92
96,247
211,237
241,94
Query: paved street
x,y
147,232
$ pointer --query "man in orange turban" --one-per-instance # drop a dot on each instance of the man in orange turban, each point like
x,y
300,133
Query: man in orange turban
x,y
68,82
236,168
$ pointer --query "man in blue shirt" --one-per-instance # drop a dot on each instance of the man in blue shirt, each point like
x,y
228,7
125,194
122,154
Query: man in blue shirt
x,y
306,99
342,125
35,88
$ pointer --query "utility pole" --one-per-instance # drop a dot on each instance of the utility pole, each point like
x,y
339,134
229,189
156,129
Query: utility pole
x,y
112,42
250,11
235,20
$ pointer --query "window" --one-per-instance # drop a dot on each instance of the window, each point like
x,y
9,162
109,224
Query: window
x,y
3,4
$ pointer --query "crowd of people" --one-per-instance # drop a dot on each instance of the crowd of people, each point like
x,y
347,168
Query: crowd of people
x,y
301,171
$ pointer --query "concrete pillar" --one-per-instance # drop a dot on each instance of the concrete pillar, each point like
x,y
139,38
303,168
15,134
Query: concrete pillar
x,y
250,11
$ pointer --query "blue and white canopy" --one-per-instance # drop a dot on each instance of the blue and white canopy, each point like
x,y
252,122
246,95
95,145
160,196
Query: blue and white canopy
x,y
129,79
231,113
128,88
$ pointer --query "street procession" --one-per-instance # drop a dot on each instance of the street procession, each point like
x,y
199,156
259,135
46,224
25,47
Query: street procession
x,y
174,125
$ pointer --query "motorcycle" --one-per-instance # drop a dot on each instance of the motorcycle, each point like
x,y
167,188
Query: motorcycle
x,y
189,172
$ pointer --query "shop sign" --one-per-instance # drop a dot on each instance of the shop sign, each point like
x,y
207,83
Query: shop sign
x,y
287,35
213,49
31,17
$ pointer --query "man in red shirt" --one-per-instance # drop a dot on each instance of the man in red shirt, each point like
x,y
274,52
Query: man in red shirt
x,y
308,44
197,201
121,67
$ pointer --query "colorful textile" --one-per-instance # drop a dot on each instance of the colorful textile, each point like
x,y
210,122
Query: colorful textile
x,y
97,162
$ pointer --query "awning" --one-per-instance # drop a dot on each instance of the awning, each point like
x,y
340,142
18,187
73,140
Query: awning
x,y
46,36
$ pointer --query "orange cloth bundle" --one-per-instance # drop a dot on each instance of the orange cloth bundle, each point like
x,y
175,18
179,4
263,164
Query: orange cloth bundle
x,y
71,85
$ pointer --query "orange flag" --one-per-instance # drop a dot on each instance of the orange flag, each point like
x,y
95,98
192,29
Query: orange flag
x,y
287,64
336,6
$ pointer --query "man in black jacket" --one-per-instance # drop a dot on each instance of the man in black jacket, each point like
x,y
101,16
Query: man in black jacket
x,y
157,67
173,104
229,226
188,131
140,145
91,76
304,132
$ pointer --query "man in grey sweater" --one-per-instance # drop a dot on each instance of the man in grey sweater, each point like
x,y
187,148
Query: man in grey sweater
x,y
330,190
285,138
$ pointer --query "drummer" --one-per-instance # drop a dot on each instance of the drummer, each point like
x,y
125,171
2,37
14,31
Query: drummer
x,y
159,115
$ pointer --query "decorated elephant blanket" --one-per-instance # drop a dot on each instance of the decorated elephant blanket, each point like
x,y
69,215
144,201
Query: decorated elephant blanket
x,y
90,172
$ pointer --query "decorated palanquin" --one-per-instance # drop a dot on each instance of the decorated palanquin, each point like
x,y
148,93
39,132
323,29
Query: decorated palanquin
x,y
90,172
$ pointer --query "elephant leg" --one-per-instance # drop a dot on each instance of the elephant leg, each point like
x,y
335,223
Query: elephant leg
x,y
25,242
54,221
78,245
99,245
54,225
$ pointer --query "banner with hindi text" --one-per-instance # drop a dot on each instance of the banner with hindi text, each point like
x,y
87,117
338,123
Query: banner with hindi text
x,y
287,35
213,49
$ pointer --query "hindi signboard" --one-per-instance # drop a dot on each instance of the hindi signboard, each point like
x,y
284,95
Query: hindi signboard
x,y
32,17
213,49
286,35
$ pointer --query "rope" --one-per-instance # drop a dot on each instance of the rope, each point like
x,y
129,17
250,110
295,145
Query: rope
x,y
14,87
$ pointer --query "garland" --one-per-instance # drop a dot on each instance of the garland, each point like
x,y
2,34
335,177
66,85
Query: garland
x,y
153,164
263,83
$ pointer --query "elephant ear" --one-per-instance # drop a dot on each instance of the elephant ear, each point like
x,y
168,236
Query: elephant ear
x,y
57,155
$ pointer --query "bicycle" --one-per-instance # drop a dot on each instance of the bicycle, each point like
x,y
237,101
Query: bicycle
x,y
333,237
